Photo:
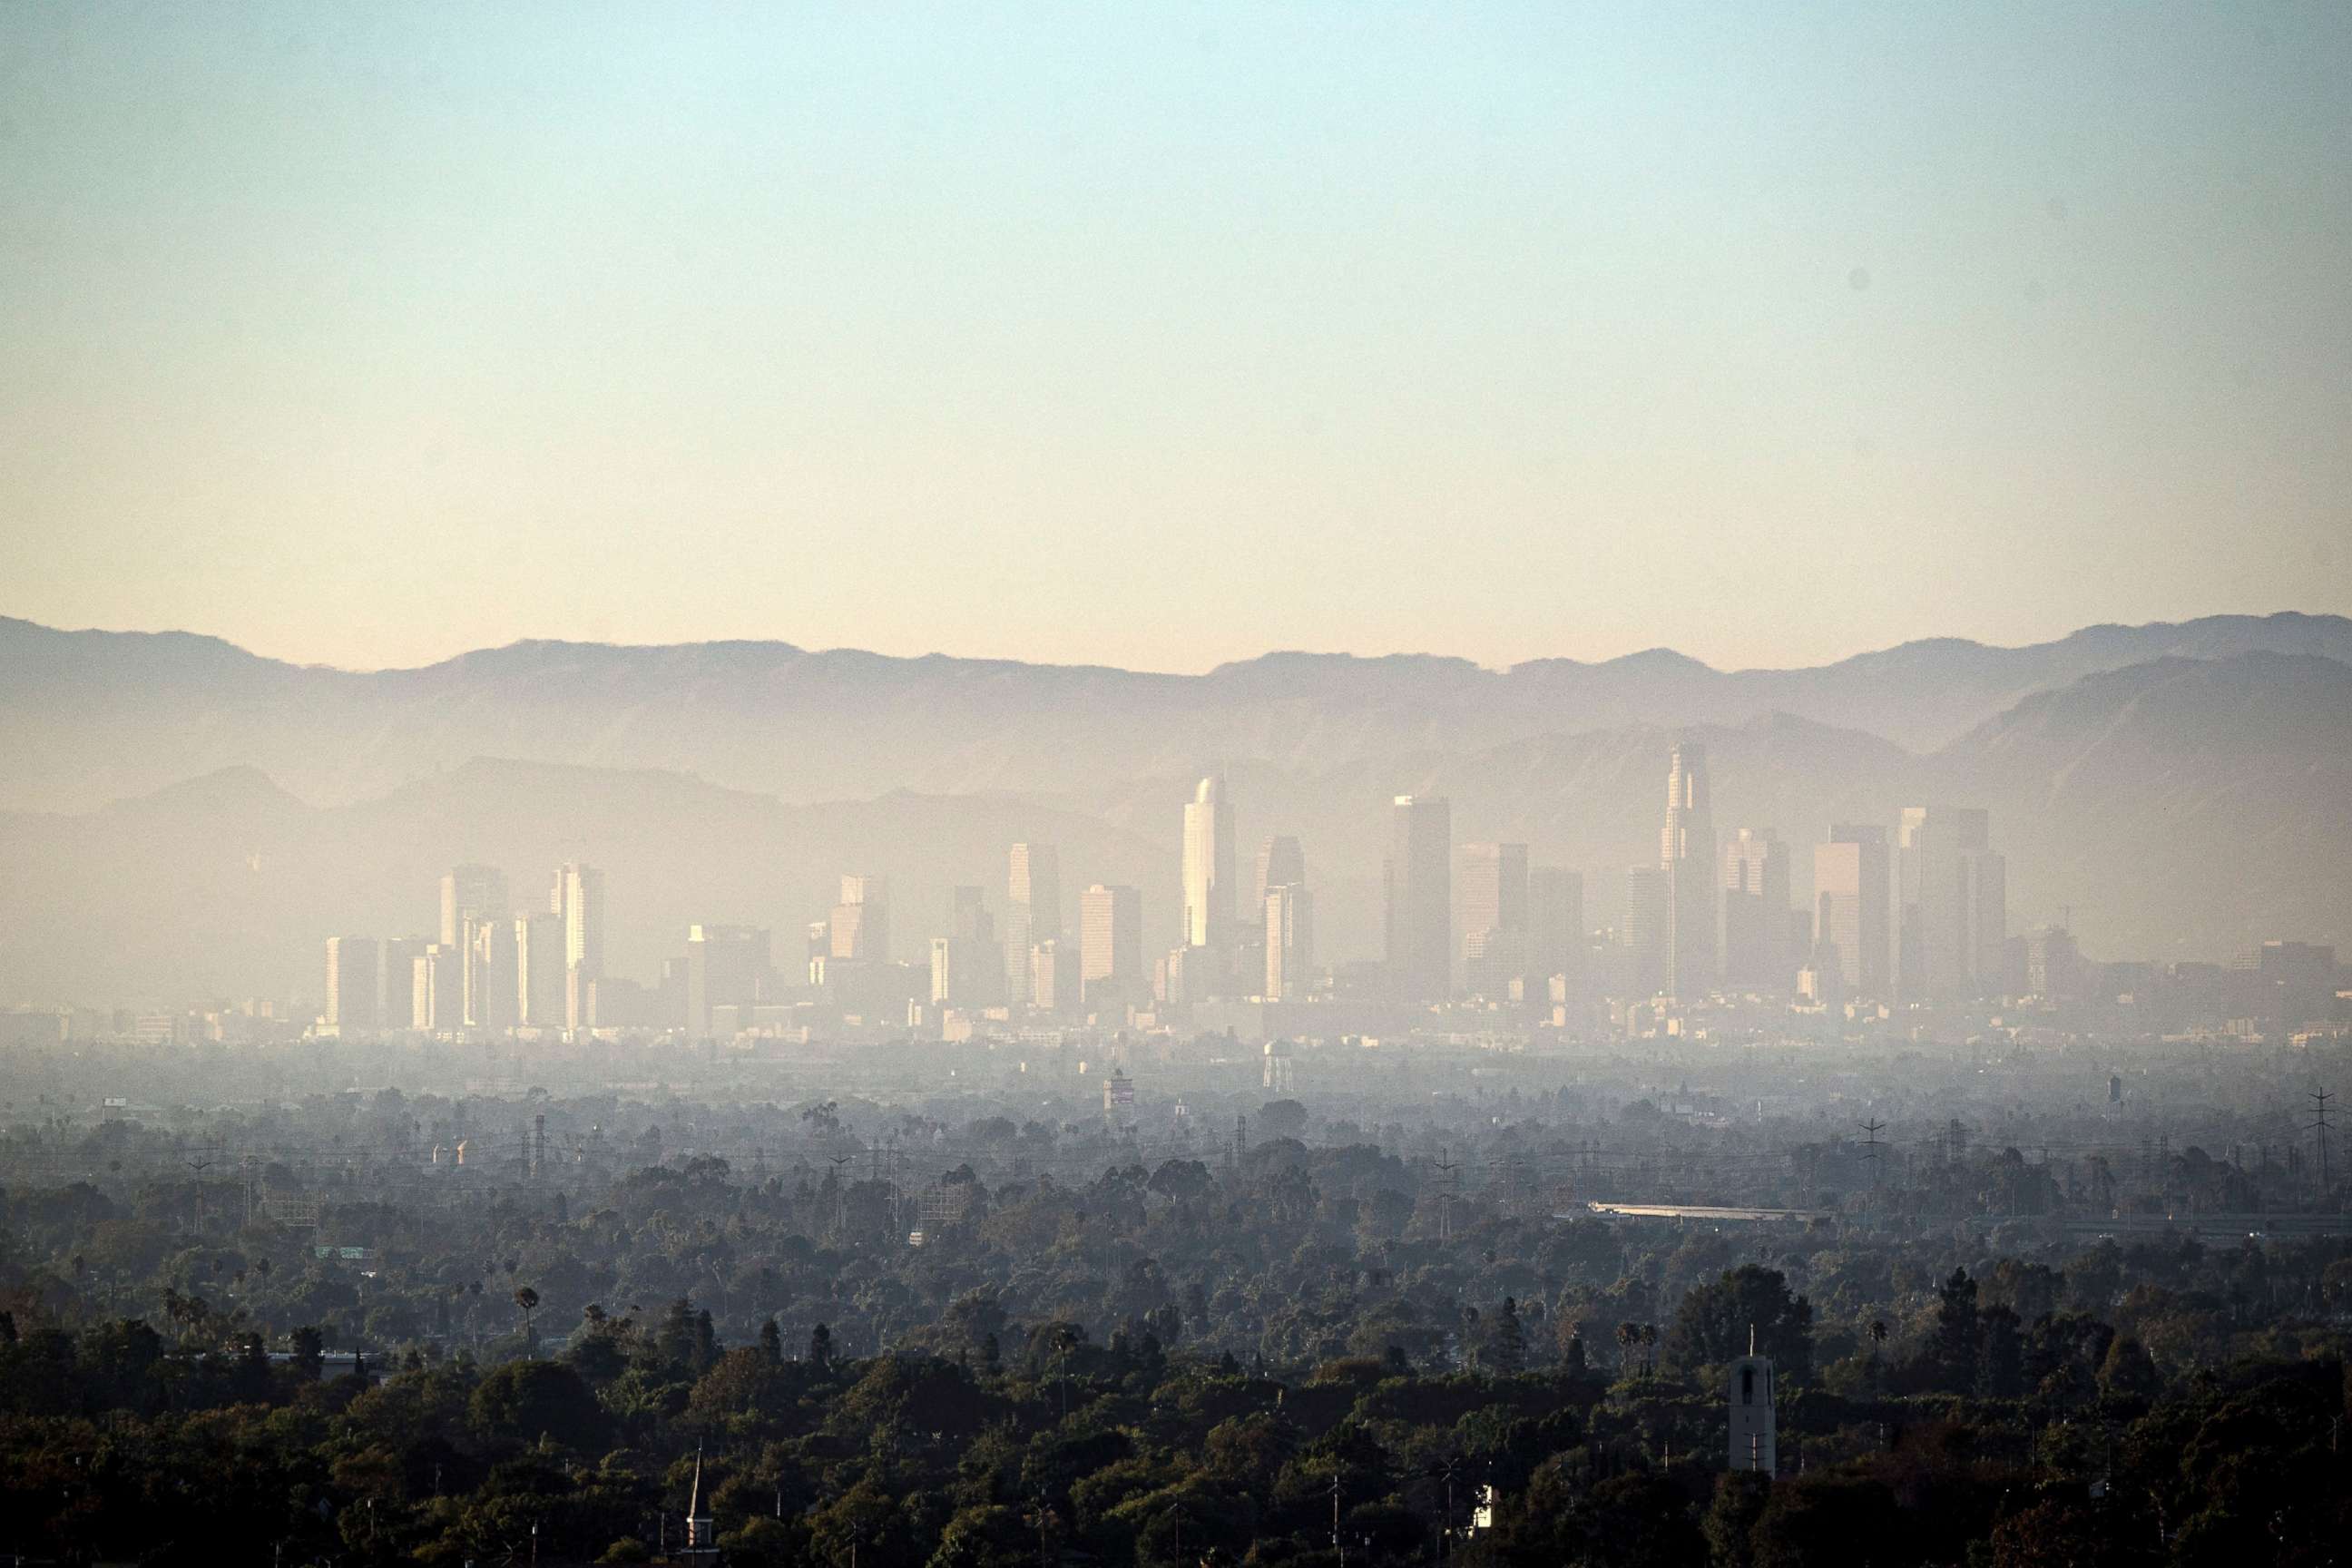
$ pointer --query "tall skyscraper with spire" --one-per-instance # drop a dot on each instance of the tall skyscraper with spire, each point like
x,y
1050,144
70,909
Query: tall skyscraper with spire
x,y
1686,855
1208,868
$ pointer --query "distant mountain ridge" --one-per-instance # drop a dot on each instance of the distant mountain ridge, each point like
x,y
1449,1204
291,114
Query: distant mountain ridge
x,y
2176,808
86,716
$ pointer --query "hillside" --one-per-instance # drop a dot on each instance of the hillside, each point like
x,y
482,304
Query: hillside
x,y
87,717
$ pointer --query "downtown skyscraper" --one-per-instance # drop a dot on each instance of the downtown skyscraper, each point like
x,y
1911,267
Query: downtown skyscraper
x,y
1494,918
1952,892
1419,881
353,984
1687,856
1208,868
1279,860
1032,914
1111,946
1289,941
578,897
1850,891
1556,925
1756,911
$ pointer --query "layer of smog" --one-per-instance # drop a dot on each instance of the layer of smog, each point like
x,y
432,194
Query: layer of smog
x,y
1204,787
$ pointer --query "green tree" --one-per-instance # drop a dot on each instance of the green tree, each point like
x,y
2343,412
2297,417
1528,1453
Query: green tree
x,y
524,1400
1740,1497
2130,1372
1953,1351
1506,1342
1715,1321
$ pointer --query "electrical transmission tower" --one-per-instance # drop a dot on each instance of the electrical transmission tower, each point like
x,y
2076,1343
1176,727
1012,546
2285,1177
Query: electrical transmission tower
x,y
1446,1166
1871,1147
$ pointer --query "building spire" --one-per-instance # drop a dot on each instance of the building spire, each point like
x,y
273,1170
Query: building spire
x,y
698,1526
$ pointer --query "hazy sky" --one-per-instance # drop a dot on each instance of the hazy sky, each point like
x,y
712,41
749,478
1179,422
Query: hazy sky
x,y
1161,335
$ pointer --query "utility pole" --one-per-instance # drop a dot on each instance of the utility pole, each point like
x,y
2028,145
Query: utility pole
x,y
1339,1542
1870,1146
2319,1099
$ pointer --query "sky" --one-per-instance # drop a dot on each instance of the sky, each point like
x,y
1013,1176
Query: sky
x,y
1162,335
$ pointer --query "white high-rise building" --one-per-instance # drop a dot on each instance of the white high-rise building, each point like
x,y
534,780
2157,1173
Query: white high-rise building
x,y
493,974
352,984
395,982
1111,946
437,992
1289,942
861,921
579,899
1032,914
1208,868
1686,855
539,971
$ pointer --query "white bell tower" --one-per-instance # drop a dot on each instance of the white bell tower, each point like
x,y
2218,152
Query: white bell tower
x,y
1754,1431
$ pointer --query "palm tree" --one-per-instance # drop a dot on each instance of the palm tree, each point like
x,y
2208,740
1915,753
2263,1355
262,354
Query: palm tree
x,y
528,1300
1065,1341
1629,1335
1649,1346
1877,1342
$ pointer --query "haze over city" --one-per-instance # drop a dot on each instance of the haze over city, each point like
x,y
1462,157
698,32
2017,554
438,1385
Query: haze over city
x,y
1193,786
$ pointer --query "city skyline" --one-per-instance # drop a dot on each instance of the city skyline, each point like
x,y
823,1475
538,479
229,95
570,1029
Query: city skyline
x,y
881,784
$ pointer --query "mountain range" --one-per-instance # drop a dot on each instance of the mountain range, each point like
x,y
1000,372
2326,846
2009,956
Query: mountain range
x,y
185,818
90,716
